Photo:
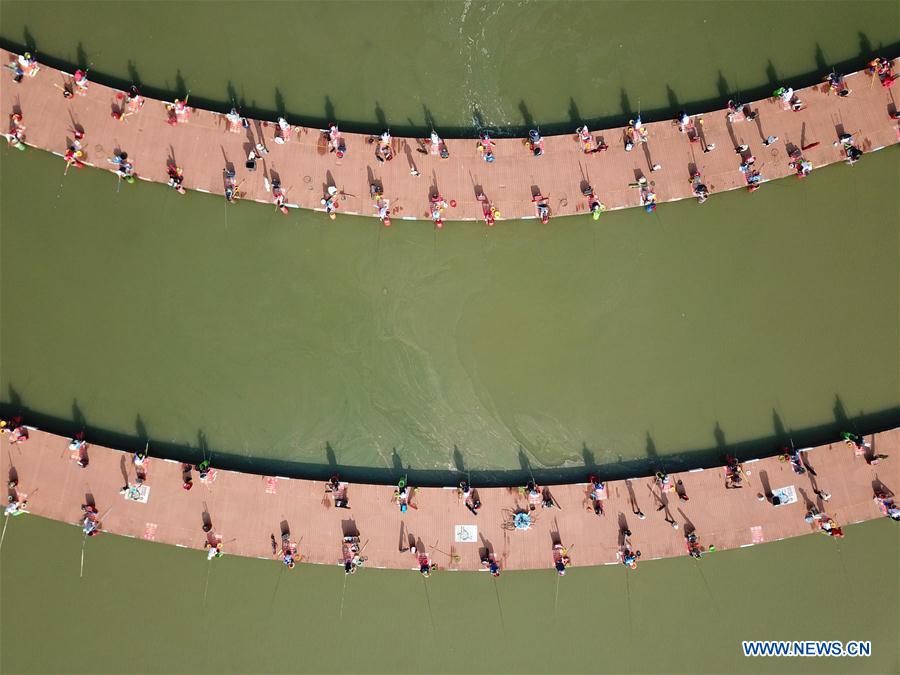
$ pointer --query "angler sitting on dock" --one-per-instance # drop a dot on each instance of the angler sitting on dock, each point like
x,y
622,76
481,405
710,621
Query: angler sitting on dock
x,y
693,546
338,491
849,148
382,205
352,554
289,555
598,494
541,208
595,206
335,141
437,207
176,178
627,555
403,495
231,187
384,152
887,505
534,143
561,559
489,562
486,147
90,520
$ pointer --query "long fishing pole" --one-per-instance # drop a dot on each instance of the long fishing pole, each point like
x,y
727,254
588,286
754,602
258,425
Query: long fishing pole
x,y
206,585
556,598
499,606
3,536
83,542
275,590
99,522
628,598
428,604
343,592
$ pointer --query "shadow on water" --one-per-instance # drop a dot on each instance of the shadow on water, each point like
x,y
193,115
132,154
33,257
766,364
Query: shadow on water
x,y
862,422
762,89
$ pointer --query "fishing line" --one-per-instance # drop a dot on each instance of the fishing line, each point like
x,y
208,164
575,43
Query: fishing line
x,y
83,541
499,606
206,585
3,536
275,590
428,604
343,592
556,598
628,598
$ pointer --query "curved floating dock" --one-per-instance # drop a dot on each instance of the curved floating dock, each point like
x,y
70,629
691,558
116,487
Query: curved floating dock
x,y
249,513
203,143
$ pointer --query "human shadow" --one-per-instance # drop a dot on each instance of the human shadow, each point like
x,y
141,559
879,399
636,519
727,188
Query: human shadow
x,y
133,73
28,40
81,57
527,118
140,429
588,457
458,461
672,98
574,114
78,418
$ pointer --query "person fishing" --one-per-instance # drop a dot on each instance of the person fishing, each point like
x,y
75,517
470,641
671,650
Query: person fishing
x,y
213,550
338,490
203,469
836,84
561,559
698,189
887,505
90,521
382,205
16,135
16,506
279,198
583,134
383,150
693,546
81,82
176,178
485,146
597,493
595,206
336,141
73,157
133,99
426,567
288,552
489,562
231,191
402,495
19,433
648,199
330,201
849,148
627,554
283,131
438,146
437,206
535,143
541,208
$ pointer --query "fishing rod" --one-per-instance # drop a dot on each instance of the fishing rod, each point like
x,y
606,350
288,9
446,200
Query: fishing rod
x,y
343,592
499,605
428,604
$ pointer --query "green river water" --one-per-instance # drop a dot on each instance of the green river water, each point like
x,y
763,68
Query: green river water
x,y
149,315
140,608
